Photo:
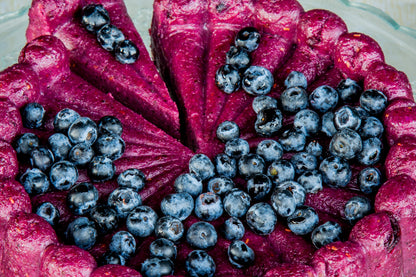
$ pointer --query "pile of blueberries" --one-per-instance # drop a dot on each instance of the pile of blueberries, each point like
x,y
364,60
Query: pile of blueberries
x,y
95,19
237,72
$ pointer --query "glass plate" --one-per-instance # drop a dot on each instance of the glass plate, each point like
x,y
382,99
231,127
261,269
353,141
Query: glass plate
x,y
398,42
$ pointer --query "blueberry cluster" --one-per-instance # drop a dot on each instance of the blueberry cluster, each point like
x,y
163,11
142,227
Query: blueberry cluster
x,y
95,19
238,72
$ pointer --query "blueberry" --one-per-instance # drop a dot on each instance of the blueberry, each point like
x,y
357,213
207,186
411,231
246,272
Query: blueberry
x,y
63,119
314,148
303,162
369,179
371,153
170,228
105,219
307,121
263,102
163,248
250,164
363,114
141,221
208,206
335,171
82,198
60,145
280,171
156,267
233,229
33,115
259,186
328,127
294,99
123,243
83,130
109,36
270,150
124,200
299,192
372,127
325,234
248,38
349,90
200,264
356,208
238,57
101,169
347,117
228,130
283,202
268,122
42,158
293,140
189,183
373,101
225,166
49,212
323,99
220,185
109,145
34,181
261,218
346,144
257,80
228,79
112,258
179,205
25,144
132,178
201,235
94,16
240,254
110,125
82,233
236,148
303,220
63,175
201,166
81,154
311,181
236,203
126,52
296,79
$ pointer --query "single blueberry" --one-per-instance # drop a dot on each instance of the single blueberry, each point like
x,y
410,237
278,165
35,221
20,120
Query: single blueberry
x,y
83,130
236,148
323,99
63,175
189,183
94,16
248,38
299,192
208,206
49,212
250,164
156,267
347,117
179,205
356,208
263,102
220,185
363,114
293,140
112,258
60,145
233,229
280,171
201,166
270,150
268,122
325,234
303,220
105,219
371,153
307,121
82,233
225,166
346,144
236,203
369,179
328,127
296,79
141,221
238,57
202,235
228,130
25,144
163,248
123,243
259,186
126,52
34,181
314,148
303,162
283,202
124,200
63,119
311,181
349,90
228,79
240,254
373,101
109,145
170,228
132,178
101,169
81,154
109,36
257,80
200,264
294,99
372,127
32,115
42,158
336,171
110,125
261,218
82,198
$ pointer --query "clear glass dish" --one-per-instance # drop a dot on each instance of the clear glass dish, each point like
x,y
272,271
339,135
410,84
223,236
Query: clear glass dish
x,y
398,42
